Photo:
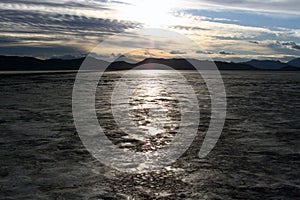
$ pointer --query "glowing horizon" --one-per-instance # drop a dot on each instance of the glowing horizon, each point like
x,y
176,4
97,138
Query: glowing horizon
x,y
226,30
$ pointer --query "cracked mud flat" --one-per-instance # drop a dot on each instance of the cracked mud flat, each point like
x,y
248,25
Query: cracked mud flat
x,y
256,157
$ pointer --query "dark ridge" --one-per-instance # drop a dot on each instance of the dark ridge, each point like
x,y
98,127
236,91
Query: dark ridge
x,y
16,63
290,68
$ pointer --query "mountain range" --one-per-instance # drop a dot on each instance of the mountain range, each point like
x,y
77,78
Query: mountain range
x,y
16,63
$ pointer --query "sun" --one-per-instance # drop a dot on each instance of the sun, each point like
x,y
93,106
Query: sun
x,y
150,12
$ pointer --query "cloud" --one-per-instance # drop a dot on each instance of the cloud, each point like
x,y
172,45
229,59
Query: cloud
x,y
38,33
204,52
45,51
286,48
149,53
34,21
177,52
51,27
292,45
289,48
241,38
254,42
40,22
189,28
225,53
290,7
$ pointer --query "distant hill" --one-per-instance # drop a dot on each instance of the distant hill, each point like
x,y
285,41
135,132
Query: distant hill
x,y
28,63
275,65
183,64
16,63
290,68
12,63
266,64
295,62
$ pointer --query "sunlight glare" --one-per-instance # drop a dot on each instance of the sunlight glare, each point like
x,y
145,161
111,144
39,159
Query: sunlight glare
x,y
151,13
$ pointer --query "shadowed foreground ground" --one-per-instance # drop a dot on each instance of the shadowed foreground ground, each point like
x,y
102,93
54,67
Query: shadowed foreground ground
x,y
256,157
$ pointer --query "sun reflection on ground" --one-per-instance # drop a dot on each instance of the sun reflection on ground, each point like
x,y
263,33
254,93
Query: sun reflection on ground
x,y
154,109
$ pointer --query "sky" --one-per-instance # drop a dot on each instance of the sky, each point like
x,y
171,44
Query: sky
x,y
231,30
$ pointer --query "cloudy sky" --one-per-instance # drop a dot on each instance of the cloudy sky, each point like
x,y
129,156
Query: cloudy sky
x,y
232,30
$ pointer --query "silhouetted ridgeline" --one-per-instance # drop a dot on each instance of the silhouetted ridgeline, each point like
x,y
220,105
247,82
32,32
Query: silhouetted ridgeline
x,y
15,63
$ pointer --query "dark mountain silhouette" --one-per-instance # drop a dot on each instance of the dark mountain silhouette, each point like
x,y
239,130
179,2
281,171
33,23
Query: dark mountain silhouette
x,y
293,65
183,64
14,63
29,63
290,68
295,62
11,63
266,64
